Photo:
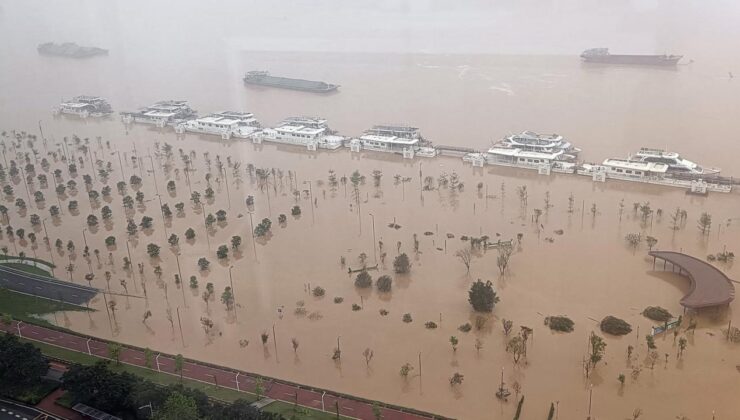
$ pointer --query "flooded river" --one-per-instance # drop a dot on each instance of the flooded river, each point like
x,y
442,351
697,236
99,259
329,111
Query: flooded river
x,y
586,271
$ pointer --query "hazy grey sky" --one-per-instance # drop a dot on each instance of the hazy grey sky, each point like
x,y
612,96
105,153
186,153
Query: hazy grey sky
x,y
436,26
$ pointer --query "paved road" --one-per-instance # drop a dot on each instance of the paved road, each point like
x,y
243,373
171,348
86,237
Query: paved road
x,y
223,377
46,287
14,411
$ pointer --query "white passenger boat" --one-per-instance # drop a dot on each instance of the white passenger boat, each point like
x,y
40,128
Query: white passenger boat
x,y
627,169
85,106
403,140
543,143
310,132
225,124
161,114
521,158
675,162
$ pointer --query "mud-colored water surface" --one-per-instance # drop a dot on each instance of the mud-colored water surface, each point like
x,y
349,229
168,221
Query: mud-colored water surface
x,y
585,272
572,259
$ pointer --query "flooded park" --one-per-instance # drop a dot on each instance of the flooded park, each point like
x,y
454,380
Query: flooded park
x,y
369,273
569,257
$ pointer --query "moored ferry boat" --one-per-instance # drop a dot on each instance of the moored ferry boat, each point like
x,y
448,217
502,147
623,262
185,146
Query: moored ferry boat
x,y
311,132
225,124
676,163
391,138
85,106
161,113
543,143
522,158
630,170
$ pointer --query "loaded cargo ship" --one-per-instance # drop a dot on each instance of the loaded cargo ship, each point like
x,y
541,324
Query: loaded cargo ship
x,y
70,50
263,78
602,55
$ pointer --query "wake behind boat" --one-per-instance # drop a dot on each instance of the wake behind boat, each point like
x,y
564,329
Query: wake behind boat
x,y
263,78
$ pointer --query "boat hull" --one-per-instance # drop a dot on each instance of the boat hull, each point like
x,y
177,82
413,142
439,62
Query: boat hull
x,y
290,84
639,60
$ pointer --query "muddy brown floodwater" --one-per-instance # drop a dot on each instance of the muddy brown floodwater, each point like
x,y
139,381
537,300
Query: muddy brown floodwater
x,y
586,273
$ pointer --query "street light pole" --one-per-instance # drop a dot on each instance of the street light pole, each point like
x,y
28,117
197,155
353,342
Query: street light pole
x,y
375,252
203,210
88,346
51,252
131,261
228,194
156,187
233,293
120,162
254,244
182,280
23,175
156,360
179,321
310,196
164,221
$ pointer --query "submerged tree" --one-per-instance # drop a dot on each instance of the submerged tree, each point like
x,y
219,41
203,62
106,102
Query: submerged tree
x,y
482,296
401,264
705,223
597,348
465,256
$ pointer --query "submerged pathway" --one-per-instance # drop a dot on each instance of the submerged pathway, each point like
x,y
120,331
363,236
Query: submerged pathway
x,y
221,376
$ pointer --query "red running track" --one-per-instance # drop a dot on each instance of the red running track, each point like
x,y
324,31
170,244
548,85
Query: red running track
x,y
212,375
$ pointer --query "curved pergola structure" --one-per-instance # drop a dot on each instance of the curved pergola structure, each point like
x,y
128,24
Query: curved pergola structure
x,y
709,286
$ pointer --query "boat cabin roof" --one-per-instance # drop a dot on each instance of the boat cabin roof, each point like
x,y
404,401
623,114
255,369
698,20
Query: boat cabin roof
x,y
226,118
212,119
394,130
646,151
389,139
300,129
637,166
159,113
233,114
86,98
514,152
75,104
533,135
313,121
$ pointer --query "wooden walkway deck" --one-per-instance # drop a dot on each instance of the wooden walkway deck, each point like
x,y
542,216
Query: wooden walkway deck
x,y
709,286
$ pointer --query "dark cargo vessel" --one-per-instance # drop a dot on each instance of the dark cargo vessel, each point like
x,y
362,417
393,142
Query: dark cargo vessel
x,y
70,50
602,55
263,78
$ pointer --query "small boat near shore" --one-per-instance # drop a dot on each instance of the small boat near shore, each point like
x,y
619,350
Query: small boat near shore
x,y
84,106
